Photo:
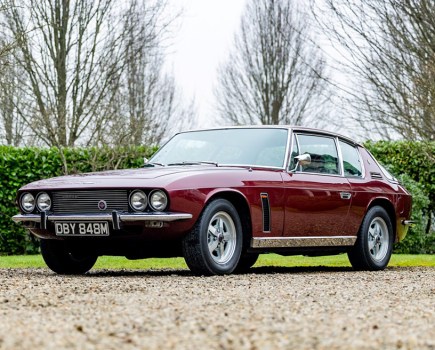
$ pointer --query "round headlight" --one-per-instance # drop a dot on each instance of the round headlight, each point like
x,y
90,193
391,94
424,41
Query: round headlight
x,y
138,200
43,201
158,200
27,202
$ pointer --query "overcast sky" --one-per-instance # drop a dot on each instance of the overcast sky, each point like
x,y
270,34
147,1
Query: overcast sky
x,y
202,40
206,33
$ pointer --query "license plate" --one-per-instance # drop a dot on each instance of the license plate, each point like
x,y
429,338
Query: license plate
x,y
98,228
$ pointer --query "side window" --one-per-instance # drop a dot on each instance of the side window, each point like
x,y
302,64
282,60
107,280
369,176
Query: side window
x,y
323,152
351,160
295,152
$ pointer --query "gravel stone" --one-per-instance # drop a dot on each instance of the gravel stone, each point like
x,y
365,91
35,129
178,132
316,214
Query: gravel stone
x,y
270,308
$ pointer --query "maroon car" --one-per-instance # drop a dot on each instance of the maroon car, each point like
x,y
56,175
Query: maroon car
x,y
221,197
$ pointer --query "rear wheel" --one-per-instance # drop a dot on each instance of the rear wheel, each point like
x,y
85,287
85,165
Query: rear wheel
x,y
214,245
374,245
61,260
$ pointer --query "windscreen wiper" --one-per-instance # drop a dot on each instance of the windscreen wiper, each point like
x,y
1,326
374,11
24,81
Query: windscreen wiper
x,y
150,165
194,163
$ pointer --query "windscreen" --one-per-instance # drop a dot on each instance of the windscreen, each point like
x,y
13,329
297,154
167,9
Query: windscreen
x,y
256,146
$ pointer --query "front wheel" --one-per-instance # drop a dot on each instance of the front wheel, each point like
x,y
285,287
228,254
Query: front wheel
x,y
61,260
214,245
374,245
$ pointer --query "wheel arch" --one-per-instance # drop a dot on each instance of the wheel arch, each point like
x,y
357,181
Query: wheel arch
x,y
241,204
389,208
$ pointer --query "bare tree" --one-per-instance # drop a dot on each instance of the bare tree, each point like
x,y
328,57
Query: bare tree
x,y
13,128
388,49
275,73
84,69
61,50
5,49
148,102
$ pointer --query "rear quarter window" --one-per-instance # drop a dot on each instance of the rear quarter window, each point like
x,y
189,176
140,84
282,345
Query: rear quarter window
x,y
351,160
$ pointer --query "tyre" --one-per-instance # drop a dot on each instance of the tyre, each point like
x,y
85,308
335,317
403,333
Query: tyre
x,y
246,261
60,260
374,245
214,245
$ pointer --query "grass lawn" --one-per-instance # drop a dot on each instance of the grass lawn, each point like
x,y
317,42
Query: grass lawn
x,y
108,262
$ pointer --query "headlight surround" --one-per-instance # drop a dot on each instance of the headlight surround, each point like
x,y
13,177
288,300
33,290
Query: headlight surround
x,y
158,200
43,201
138,200
27,202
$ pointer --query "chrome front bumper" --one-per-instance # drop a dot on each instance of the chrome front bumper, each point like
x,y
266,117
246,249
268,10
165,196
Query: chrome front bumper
x,y
115,218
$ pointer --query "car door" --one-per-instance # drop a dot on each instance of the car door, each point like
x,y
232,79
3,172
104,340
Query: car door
x,y
353,168
317,195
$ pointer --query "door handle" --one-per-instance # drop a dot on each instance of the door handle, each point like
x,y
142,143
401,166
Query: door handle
x,y
345,195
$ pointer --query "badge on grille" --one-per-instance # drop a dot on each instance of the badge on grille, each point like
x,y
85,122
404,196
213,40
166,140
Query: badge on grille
x,y
102,205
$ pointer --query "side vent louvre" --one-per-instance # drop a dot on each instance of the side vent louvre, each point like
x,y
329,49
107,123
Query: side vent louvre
x,y
266,211
375,176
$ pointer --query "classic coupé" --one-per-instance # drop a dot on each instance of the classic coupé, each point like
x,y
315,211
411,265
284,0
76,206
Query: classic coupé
x,y
221,197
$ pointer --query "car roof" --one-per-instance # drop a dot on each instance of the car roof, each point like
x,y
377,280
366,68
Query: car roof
x,y
287,127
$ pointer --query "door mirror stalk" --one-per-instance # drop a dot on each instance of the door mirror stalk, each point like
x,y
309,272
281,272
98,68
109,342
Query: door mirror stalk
x,y
302,159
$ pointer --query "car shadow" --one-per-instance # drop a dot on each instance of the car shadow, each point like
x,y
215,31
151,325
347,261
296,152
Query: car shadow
x,y
297,269
262,270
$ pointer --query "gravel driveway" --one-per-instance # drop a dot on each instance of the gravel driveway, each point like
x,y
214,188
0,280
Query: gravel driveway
x,y
271,308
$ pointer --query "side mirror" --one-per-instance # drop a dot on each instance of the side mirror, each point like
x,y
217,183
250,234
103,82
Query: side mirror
x,y
302,159
145,161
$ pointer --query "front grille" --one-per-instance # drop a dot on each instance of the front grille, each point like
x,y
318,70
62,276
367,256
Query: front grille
x,y
66,202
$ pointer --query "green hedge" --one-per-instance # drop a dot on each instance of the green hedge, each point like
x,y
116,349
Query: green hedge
x,y
413,161
416,159
414,164
19,166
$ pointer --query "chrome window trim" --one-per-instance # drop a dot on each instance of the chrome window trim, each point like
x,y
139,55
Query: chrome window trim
x,y
287,155
361,161
257,127
244,166
320,174
393,180
337,140
340,156
296,133
249,166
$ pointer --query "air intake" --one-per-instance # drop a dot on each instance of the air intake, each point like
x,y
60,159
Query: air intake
x,y
375,176
266,211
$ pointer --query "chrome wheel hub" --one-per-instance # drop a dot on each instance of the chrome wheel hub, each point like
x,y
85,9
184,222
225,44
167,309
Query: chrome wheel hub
x,y
378,239
221,237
